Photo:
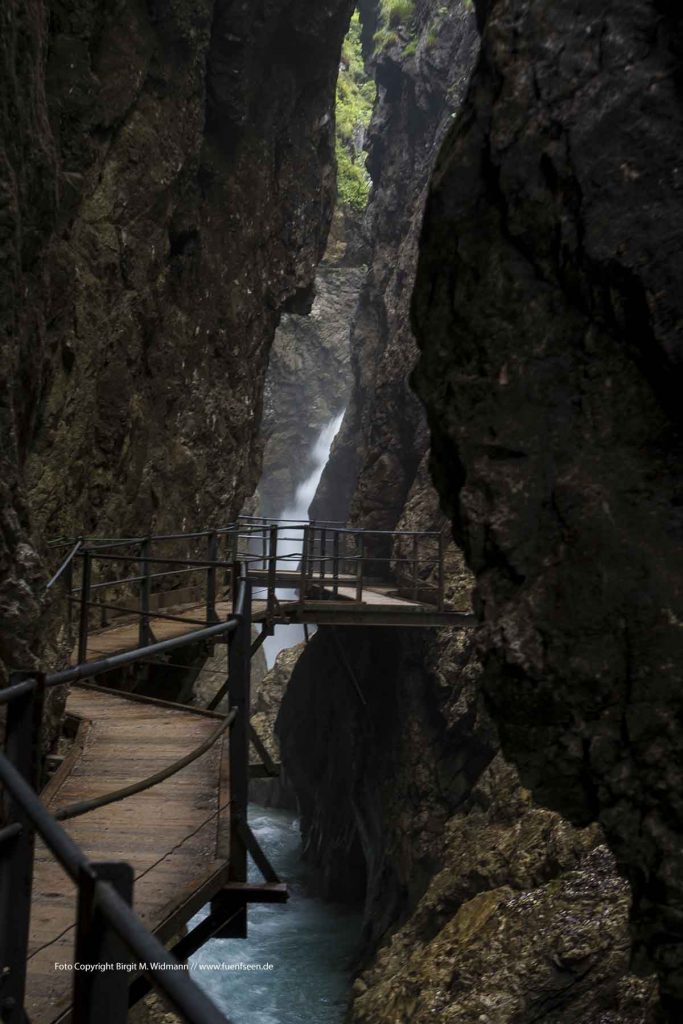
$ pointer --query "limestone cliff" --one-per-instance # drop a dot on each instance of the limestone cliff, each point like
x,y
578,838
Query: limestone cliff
x,y
309,372
548,309
421,70
480,905
167,180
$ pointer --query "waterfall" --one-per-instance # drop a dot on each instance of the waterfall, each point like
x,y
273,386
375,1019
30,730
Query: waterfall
x,y
288,636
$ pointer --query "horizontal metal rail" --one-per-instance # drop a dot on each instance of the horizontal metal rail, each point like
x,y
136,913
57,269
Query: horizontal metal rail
x,y
181,992
90,669
105,606
105,918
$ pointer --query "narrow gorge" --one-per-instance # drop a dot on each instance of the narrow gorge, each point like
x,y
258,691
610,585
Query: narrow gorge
x,y
369,311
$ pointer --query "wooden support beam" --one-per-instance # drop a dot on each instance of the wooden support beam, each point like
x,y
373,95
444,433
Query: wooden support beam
x,y
264,892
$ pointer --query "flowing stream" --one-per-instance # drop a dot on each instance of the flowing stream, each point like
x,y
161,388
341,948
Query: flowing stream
x,y
309,943
295,965
288,636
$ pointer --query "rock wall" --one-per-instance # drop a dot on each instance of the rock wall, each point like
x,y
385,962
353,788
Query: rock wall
x,y
309,372
167,181
421,73
480,904
548,308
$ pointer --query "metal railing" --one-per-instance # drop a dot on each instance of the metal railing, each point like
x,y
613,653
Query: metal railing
x,y
169,577
107,928
328,559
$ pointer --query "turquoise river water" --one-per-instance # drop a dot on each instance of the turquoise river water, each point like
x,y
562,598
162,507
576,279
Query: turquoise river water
x,y
310,944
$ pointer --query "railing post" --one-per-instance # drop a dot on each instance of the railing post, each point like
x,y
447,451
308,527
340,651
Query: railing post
x,y
212,556
272,570
323,552
69,586
335,561
442,587
239,694
415,553
143,632
304,562
22,748
312,533
360,563
100,997
264,547
86,579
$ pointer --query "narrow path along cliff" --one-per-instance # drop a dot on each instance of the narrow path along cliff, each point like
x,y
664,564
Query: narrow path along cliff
x,y
341,433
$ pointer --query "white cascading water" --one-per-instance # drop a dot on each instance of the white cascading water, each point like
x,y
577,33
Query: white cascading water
x,y
288,636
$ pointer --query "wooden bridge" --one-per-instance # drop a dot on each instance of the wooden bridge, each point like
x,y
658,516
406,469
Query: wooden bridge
x,y
128,590
152,796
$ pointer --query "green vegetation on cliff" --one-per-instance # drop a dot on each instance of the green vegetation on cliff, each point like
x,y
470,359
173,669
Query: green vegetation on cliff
x,y
355,98
393,15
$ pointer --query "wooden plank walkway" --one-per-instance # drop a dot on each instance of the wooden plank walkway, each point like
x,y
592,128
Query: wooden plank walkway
x,y
379,606
175,835
114,639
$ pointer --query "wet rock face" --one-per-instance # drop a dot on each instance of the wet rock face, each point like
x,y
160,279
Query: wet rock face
x,y
167,182
421,73
484,906
556,953
374,756
548,307
309,371
480,905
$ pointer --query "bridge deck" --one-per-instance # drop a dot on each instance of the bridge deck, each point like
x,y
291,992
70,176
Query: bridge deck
x,y
175,835
380,606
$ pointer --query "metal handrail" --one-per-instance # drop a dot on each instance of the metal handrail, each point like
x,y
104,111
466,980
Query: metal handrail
x,y
90,669
182,993
105,890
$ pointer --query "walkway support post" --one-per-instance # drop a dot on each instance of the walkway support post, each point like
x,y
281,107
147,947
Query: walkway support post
x,y
69,587
305,544
22,748
101,997
415,565
335,562
211,556
143,635
361,567
86,579
239,693
323,548
272,571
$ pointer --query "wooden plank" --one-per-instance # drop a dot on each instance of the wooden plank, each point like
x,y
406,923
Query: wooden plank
x,y
171,833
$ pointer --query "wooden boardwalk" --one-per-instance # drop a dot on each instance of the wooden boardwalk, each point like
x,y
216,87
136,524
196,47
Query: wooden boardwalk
x,y
175,835
379,606
124,637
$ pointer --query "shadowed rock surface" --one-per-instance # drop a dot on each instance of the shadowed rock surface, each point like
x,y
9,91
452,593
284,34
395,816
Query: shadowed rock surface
x,y
167,180
309,372
548,309
421,76
480,905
